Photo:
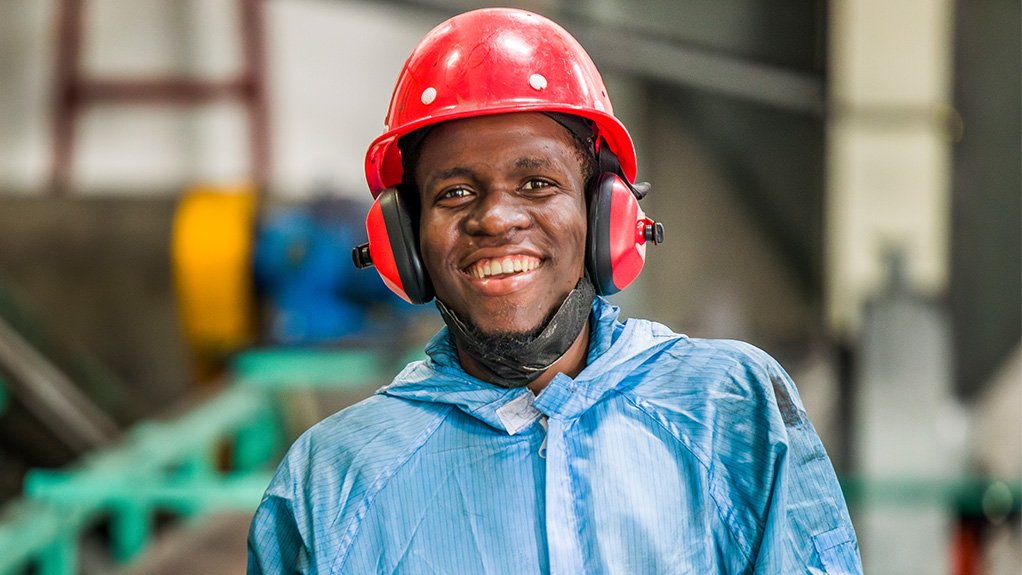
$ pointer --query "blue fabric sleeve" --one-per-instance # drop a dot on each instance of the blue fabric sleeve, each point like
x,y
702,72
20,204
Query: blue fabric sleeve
x,y
808,529
275,543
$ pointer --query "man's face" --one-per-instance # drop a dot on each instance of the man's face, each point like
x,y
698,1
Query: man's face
x,y
503,219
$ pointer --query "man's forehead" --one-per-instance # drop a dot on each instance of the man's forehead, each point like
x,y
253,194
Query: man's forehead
x,y
472,170
576,126
541,137
511,119
531,140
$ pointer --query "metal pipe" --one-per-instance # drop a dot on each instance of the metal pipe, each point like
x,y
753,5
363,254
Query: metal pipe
x,y
52,397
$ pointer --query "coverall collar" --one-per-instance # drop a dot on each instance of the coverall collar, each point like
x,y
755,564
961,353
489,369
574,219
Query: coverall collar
x,y
440,379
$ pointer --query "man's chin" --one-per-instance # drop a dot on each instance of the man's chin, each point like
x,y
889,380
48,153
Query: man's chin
x,y
504,336
508,325
511,322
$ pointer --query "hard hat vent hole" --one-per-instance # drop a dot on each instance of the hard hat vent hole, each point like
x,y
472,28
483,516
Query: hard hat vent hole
x,y
537,81
428,95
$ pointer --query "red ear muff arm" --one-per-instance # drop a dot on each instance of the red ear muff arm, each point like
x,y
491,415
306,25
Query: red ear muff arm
x,y
360,256
651,231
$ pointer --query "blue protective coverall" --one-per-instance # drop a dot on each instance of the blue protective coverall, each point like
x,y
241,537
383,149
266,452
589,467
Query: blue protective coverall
x,y
666,454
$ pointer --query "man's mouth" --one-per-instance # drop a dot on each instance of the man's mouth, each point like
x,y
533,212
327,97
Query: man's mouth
x,y
507,265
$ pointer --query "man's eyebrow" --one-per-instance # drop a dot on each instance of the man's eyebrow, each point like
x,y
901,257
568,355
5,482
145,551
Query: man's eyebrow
x,y
531,163
454,172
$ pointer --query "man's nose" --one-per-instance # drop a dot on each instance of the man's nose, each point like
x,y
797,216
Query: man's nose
x,y
496,213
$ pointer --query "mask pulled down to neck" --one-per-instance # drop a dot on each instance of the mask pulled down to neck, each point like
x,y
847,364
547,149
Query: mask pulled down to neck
x,y
517,360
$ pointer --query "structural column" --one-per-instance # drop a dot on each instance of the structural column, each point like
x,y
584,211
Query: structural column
x,y
889,132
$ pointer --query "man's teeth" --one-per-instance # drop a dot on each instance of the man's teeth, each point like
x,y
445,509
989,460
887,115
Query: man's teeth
x,y
509,265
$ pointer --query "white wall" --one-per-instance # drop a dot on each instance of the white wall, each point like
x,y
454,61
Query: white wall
x,y
25,54
331,67
889,149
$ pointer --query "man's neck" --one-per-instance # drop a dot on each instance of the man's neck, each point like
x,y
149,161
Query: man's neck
x,y
570,364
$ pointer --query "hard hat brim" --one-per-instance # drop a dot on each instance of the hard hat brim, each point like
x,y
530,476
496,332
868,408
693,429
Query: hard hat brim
x,y
383,166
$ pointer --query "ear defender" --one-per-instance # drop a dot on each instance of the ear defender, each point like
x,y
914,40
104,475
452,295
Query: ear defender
x,y
618,232
394,249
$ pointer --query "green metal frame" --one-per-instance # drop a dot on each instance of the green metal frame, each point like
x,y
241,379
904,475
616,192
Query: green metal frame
x,y
174,465
279,369
972,495
35,532
158,465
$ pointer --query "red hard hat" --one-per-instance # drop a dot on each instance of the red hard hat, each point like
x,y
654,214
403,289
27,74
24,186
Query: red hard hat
x,y
494,61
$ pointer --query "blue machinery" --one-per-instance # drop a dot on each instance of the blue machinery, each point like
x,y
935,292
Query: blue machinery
x,y
174,465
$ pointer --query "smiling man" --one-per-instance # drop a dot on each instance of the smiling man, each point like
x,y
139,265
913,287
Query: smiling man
x,y
502,233
541,435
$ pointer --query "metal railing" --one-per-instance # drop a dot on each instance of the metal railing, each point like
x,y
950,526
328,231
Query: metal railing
x,y
214,457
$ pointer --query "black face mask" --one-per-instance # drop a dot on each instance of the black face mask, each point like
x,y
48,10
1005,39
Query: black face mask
x,y
516,360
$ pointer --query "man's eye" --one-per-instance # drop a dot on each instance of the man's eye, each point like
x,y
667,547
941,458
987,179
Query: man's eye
x,y
454,194
536,185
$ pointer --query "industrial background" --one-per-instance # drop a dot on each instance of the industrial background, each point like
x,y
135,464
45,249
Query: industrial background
x,y
181,184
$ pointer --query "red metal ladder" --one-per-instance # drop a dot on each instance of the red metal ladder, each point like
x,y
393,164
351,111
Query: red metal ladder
x,y
74,90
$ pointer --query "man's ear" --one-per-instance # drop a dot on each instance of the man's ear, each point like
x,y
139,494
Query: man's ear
x,y
394,247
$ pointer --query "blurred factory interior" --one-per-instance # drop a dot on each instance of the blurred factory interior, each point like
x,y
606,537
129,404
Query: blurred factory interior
x,y
181,184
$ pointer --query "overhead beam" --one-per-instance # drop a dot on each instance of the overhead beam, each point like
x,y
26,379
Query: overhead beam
x,y
635,53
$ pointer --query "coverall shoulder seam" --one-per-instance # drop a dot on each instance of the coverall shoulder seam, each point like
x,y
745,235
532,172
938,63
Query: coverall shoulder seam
x,y
733,530
380,483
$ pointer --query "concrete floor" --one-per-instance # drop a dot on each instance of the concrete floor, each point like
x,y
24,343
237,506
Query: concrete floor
x,y
213,545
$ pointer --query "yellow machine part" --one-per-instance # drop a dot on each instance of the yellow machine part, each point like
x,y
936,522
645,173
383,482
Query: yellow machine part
x,y
211,250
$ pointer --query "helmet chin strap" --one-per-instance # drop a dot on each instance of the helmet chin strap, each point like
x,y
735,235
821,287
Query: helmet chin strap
x,y
516,360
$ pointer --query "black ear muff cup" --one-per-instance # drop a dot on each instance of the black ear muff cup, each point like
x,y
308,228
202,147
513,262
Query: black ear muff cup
x,y
394,248
615,245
